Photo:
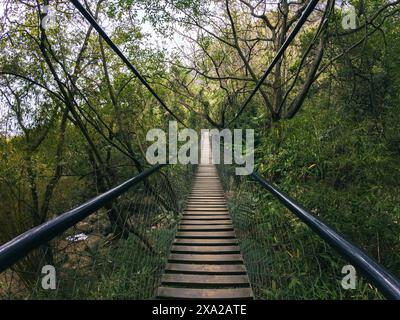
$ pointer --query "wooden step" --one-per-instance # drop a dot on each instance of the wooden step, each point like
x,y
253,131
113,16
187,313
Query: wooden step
x,y
203,279
199,217
186,222
195,234
224,215
211,211
202,217
205,268
189,293
209,197
206,215
205,227
205,201
191,241
205,249
190,205
205,260
206,209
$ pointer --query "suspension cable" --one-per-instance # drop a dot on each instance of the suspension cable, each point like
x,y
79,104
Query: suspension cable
x,y
115,48
310,8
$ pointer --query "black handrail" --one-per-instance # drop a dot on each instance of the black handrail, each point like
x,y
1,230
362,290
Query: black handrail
x,y
20,246
387,283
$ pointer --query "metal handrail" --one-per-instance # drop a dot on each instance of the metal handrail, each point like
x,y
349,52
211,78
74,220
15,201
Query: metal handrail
x,y
20,246
387,283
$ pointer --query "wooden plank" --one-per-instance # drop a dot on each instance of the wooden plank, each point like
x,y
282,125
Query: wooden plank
x,y
205,260
214,212
200,204
221,200
207,175
203,182
195,234
199,227
206,217
205,227
191,241
185,222
206,249
204,208
208,197
190,293
204,214
211,196
206,268
207,214
207,204
214,258
207,191
206,201
207,211
203,279
207,194
207,187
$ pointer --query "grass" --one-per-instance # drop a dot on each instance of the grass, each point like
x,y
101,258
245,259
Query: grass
x,y
284,258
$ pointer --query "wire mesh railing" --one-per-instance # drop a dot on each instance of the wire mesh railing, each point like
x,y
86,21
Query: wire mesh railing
x,y
285,259
117,252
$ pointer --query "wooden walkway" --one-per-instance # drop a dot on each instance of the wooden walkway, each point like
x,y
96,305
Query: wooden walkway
x,y
205,260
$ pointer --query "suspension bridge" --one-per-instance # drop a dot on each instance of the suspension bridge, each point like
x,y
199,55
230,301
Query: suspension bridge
x,y
205,259
187,236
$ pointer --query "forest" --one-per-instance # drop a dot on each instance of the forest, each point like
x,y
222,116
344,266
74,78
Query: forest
x,y
74,120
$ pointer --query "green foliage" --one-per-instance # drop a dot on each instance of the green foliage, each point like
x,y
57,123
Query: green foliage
x,y
344,170
339,156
